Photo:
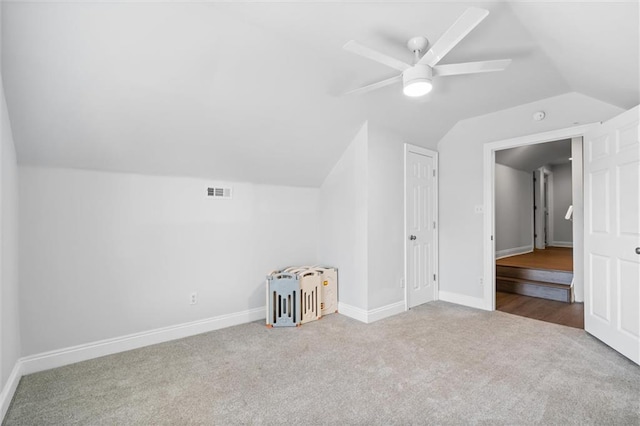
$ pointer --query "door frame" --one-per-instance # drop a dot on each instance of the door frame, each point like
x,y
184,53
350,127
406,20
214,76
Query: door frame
x,y
489,160
544,204
422,151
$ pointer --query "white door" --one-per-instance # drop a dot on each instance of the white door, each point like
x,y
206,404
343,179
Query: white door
x,y
545,210
542,192
420,225
612,233
539,218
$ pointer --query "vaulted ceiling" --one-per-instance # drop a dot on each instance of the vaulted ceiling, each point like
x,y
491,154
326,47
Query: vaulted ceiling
x,y
249,91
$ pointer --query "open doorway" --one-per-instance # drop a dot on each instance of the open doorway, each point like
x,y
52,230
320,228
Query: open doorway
x,y
533,202
605,231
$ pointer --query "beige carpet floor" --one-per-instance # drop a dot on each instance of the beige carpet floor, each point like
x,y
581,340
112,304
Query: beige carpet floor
x,y
436,364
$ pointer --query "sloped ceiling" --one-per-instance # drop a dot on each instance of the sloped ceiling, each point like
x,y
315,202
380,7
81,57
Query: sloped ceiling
x,y
249,91
531,157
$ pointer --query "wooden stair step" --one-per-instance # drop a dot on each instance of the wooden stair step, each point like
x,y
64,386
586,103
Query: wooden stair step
x,y
533,288
532,274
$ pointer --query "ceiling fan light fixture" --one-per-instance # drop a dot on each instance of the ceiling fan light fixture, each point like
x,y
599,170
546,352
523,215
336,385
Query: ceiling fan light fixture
x,y
416,81
417,88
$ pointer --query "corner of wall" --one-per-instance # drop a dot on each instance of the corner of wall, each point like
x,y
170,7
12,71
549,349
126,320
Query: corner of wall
x,y
362,224
343,220
10,340
385,220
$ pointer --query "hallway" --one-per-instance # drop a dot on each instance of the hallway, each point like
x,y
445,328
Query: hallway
x,y
550,259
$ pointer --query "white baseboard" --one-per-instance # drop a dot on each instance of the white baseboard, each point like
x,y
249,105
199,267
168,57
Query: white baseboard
x,y
567,244
372,315
385,311
462,299
58,358
514,251
352,312
9,389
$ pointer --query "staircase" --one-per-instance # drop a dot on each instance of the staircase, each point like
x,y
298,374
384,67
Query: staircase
x,y
543,283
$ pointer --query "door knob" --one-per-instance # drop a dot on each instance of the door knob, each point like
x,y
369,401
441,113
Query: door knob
x,y
413,237
637,250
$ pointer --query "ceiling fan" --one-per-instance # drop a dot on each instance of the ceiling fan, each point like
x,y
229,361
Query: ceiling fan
x,y
417,78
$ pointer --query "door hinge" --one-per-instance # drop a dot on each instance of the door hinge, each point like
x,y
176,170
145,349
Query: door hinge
x,y
434,224
492,238
434,277
434,172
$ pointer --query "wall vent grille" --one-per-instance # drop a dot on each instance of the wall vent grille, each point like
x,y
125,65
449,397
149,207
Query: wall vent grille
x,y
219,192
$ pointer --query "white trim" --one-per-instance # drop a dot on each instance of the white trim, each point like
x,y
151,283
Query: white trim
x,y
9,388
463,299
568,244
537,138
489,150
60,357
489,252
549,206
436,234
372,315
352,312
385,311
514,251
405,272
577,192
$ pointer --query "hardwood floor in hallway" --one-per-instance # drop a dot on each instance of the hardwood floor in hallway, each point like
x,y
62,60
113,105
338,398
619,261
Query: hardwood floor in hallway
x,y
569,314
550,259
557,258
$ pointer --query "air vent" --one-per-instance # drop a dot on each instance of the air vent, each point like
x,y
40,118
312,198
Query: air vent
x,y
219,192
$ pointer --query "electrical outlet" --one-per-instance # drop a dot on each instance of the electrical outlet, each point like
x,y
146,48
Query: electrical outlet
x,y
478,209
481,282
194,298
401,282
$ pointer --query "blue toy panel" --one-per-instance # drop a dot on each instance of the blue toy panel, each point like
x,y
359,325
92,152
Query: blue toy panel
x,y
284,294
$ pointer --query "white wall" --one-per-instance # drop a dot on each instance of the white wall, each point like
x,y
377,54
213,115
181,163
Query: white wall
x,y
461,185
578,218
386,219
362,222
10,345
513,211
104,255
562,228
343,221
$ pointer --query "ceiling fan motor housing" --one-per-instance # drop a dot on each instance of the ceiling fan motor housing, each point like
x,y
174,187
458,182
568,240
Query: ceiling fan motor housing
x,y
418,44
417,76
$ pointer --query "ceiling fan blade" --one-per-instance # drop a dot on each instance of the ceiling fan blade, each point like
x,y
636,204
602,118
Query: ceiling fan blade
x,y
463,26
374,86
355,47
470,67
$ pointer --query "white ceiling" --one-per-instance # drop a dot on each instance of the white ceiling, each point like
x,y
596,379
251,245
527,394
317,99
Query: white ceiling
x,y
531,157
248,90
